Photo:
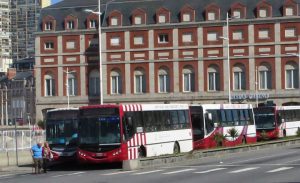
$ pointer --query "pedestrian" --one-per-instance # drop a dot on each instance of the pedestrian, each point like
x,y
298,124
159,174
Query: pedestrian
x,y
36,153
47,156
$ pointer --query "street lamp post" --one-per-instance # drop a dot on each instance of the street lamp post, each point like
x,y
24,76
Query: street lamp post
x,y
67,84
100,55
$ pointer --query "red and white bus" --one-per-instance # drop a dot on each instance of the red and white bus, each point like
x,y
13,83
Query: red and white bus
x,y
113,133
288,120
211,121
266,121
61,133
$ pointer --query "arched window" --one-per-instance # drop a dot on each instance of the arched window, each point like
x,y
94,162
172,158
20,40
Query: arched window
x,y
188,78
265,77
139,81
72,85
49,85
163,81
116,82
94,83
291,76
213,78
239,77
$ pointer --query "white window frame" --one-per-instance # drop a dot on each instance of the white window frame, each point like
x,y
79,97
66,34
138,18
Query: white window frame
x,y
289,11
264,34
49,45
94,83
239,72
70,24
162,19
237,35
187,37
115,41
215,75
186,17
49,82
290,32
163,38
138,20
139,82
138,40
163,81
188,75
48,26
71,45
263,13
72,85
211,15
264,78
294,76
93,24
237,13
114,21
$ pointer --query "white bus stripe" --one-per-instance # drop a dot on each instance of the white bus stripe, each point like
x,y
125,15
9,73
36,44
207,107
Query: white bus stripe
x,y
279,169
143,173
178,171
244,170
212,170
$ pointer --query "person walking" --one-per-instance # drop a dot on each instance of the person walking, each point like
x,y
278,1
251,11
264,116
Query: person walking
x,y
36,153
47,156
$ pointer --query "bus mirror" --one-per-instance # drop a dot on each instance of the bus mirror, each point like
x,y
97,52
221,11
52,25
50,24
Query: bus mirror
x,y
216,125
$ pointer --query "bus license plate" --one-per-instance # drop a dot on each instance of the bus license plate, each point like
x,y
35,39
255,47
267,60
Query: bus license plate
x,y
99,154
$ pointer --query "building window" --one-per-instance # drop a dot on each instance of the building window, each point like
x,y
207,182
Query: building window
x,y
115,41
114,21
94,83
289,11
211,16
237,35
239,78
94,42
212,36
139,82
138,40
187,37
70,24
186,17
49,86
137,20
236,14
163,38
290,32
265,77
162,19
48,26
291,76
163,81
263,13
213,78
72,85
263,34
93,24
116,82
188,77
70,45
49,46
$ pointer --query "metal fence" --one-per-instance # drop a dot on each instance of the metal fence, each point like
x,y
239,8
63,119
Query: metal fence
x,y
23,139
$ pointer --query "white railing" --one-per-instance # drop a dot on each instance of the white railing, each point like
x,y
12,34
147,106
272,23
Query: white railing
x,y
25,139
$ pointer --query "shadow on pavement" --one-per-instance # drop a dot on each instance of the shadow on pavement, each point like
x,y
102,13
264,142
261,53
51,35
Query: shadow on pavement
x,y
73,166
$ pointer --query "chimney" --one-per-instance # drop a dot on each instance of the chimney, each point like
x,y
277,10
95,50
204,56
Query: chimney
x,y
11,73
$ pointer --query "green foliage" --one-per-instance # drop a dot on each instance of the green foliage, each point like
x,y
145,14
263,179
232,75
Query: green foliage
x,y
219,138
298,132
41,124
264,135
233,133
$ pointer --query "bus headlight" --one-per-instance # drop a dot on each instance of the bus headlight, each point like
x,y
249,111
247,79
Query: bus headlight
x,y
116,153
81,154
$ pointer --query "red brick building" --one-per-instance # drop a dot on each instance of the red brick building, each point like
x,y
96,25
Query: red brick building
x,y
166,52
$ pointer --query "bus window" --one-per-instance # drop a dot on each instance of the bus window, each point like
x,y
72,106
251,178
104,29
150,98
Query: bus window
x,y
174,119
229,117
235,117
128,126
209,124
223,118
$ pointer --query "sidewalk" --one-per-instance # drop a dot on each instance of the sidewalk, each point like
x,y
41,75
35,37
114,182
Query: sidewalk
x,y
14,170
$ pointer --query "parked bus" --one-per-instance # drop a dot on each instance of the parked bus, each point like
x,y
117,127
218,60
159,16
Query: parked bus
x,y
113,133
228,124
266,121
62,133
288,120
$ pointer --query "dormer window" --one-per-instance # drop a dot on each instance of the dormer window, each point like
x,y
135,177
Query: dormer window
x,y
236,14
289,11
114,21
186,17
93,24
263,13
49,45
211,15
70,24
162,19
48,26
137,20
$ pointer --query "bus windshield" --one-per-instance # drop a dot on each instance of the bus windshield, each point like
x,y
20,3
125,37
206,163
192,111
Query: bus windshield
x,y
100,130
62,131
265,121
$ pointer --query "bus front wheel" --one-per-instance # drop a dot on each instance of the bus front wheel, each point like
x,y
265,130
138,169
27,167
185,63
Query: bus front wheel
x,y
176,149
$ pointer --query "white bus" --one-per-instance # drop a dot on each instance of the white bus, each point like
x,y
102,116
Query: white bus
x,y
232,123
288,119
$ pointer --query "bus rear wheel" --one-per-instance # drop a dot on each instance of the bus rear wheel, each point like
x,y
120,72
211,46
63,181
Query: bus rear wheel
x,y
176,149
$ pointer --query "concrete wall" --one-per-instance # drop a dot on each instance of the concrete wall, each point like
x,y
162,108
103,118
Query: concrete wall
x,y
9,158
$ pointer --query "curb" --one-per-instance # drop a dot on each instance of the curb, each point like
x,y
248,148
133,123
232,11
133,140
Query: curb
x,y
184,158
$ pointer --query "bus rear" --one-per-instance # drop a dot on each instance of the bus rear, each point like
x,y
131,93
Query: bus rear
x,y
222,125
266,123
62,133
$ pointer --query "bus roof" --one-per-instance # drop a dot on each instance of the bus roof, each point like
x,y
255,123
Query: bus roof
x,y
63,109
288,107
224,106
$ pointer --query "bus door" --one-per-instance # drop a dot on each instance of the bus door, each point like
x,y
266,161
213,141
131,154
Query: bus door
x,y
197,122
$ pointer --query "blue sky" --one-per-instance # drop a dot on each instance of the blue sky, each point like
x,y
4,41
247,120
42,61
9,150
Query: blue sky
x,y
55,1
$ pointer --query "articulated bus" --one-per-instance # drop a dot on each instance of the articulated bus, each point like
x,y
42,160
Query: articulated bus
x,y
113,133
62,133
232,123
266,121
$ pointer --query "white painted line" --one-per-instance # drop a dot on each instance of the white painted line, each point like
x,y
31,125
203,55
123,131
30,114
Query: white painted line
x,y
212,170
7,175
121,172
59,175
178,171
244,170
279,169
143,173
75,173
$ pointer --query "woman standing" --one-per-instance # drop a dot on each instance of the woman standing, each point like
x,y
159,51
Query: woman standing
x,y
47,156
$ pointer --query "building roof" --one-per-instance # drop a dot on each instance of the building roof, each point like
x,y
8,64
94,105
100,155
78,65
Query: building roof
x,y
126,7
23,75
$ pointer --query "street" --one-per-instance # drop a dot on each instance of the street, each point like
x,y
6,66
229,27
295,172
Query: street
x,y
263,166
